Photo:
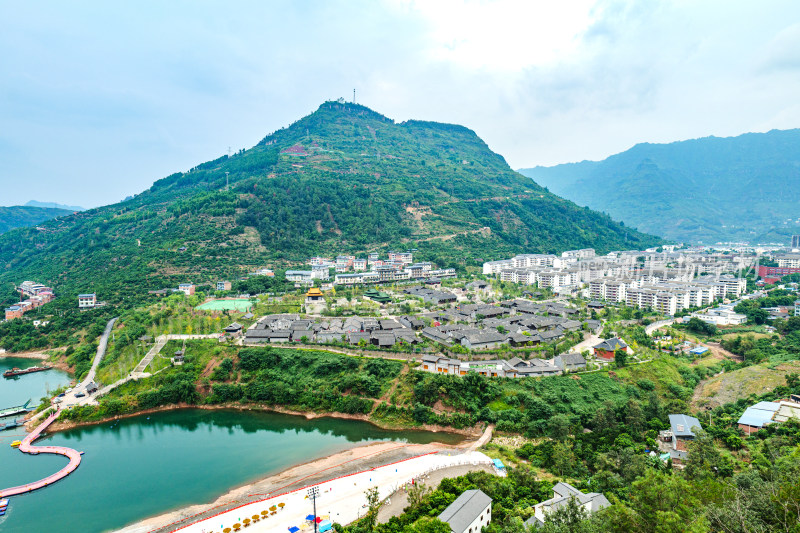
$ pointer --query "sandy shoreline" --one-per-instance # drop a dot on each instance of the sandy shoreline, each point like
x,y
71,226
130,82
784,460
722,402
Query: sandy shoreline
x,y
356,459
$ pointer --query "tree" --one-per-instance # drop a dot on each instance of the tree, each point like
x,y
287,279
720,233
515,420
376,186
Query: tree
x,y
620,357
558,427
659,503
417,493
427,524
570,518
373,506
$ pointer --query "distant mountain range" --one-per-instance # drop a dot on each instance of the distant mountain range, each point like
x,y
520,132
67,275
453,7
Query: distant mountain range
x,y
34,203
344,179
744,188
20,216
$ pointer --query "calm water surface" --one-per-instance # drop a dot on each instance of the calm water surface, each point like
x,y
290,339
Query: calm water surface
x,y
143,466
18,390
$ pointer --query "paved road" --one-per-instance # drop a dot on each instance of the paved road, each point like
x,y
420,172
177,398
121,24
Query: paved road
x,y
69,398
655,325
587,344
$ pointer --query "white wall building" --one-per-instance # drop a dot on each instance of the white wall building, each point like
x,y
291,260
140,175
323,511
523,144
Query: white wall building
x,y
469,513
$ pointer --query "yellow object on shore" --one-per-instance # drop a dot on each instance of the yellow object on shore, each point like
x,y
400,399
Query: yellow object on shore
x,y
16,443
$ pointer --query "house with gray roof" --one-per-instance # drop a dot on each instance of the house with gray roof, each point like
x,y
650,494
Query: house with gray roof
x,y
255,336
682,428
485,340
406,336
570,362
354,337
437,335
440,364
383,339
469,513
551,335
562,494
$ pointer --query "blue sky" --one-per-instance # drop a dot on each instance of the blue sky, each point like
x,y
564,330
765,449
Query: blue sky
x,y
100,99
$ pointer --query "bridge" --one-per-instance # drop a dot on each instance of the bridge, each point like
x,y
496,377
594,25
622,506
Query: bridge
x,y
27,447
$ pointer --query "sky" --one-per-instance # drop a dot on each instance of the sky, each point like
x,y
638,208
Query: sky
x,y
100,99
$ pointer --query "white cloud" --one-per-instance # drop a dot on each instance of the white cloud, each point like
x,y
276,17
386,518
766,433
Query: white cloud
x,y
98,100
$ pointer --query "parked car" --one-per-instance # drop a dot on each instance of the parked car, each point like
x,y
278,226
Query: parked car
x,y
79,395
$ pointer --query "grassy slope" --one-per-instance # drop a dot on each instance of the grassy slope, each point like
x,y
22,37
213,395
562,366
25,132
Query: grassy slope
x,y
731,386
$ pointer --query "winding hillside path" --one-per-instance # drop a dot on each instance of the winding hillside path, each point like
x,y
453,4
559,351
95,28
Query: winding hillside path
x,y
71,397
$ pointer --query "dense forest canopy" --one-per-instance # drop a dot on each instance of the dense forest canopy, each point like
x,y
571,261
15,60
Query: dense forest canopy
x,y
743,188
20,216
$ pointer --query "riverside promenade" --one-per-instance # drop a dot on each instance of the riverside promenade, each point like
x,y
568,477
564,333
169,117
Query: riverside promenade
x,y
27,447
341,499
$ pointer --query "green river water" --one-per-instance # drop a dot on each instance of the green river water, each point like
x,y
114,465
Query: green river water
x,y
146,465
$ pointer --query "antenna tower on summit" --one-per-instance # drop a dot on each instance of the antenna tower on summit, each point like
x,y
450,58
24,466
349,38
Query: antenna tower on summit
x,y
354,96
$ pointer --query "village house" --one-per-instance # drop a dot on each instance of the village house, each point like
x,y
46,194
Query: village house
x,y
87,301
186,288
469,513
570,362
607,348
234,330
562,494
762,414
682,431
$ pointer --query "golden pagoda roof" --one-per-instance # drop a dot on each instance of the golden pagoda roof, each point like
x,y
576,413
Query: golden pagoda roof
x,y
314,291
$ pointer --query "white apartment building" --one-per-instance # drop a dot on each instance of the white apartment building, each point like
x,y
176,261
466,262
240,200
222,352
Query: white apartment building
x,y
87,301
585,253
788,260
401,257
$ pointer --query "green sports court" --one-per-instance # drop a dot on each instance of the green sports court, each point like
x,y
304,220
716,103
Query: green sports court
x,y
235,304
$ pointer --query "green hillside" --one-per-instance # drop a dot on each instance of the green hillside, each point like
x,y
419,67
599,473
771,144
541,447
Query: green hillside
x,y
20,216
743,188
343,179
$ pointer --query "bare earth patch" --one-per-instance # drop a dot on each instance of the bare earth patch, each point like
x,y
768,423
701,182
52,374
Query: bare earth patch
x,y
731,386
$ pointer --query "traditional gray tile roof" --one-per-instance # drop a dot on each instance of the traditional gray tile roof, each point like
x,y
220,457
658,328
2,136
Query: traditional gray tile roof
x,y
611,344
383,338
486,337
467,507
355,336
569,361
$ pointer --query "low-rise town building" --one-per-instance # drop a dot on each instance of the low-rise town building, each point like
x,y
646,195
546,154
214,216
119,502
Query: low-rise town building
x,y
562,494
607,348
470,513
186,288
87,301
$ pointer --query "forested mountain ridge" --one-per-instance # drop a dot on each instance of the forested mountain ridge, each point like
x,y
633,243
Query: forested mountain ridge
x,y
701,190
343,179
20,216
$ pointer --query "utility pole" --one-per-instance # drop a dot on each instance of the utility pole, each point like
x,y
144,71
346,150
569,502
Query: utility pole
x,y
227,183
313,493
354,96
